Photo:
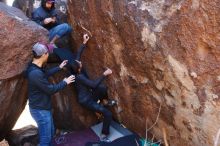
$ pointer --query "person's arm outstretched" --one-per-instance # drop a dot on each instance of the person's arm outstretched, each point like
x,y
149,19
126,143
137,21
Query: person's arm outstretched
x,y
82,47
94,83
38,79
54,70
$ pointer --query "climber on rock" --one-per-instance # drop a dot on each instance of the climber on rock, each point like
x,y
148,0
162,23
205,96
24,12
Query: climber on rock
x,y
65,54
40,90
47,16
90,92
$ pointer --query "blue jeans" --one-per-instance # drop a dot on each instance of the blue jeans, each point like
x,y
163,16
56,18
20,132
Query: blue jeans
x,y
60,31
45,125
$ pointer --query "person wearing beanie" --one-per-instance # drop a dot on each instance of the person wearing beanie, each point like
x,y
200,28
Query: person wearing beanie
x,y
47,16
40,91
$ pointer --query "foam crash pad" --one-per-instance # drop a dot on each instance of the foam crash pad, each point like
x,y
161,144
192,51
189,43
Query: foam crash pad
x,y
91,136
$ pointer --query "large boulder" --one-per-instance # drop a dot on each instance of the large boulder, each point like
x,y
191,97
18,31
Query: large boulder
x,y
17,35
162,52
27,135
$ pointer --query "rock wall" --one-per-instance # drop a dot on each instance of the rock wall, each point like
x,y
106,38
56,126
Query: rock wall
x,y
17,35
162,52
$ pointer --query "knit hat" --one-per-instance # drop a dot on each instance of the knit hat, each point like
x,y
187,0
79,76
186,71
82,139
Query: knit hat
x,y
40,49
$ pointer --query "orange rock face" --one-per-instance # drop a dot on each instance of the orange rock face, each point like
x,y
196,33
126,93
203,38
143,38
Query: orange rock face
x,y
162,52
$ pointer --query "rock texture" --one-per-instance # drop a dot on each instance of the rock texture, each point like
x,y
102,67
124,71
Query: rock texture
x,y
26,6
23,137
162,52
17,35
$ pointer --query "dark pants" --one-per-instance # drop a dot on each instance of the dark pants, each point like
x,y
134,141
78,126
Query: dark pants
x,y
66,54
98,94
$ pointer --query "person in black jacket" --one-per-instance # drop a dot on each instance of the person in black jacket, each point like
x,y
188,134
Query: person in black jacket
x,y
46,16
40,90
90,92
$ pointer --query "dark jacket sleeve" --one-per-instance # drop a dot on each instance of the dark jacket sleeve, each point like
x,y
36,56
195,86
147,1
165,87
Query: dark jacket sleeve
x,y
90,83
52,71
38,79
37,18
80,51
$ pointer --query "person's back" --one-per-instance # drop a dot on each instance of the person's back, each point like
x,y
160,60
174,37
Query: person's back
x,y
38,98
83,90
34,93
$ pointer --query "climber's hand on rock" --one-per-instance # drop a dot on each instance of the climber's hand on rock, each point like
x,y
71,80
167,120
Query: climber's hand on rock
x,y
48,20
64,63
85,38
70,79
107,72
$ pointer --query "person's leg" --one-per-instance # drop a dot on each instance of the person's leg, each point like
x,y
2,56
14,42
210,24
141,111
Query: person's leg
x,y
59,31
43,120
64,54
52,126
94,106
